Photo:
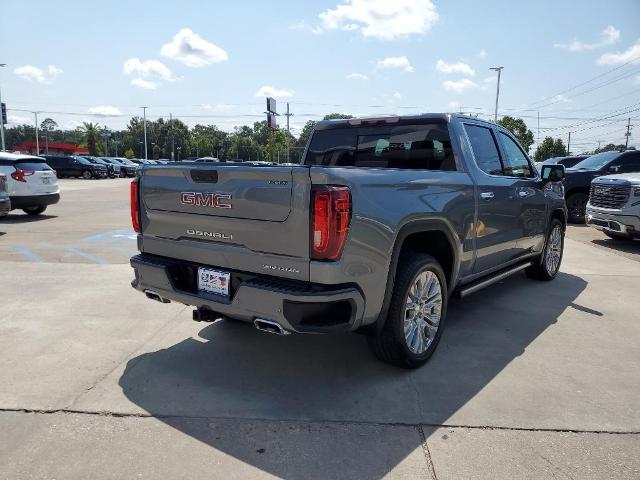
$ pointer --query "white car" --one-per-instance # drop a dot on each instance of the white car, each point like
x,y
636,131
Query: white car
x,y
31,183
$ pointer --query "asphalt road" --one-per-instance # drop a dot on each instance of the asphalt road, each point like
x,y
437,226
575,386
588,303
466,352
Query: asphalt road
x,y
531,380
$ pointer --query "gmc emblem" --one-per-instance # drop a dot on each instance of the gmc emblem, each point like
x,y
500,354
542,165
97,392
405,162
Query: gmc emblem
x,y
213,200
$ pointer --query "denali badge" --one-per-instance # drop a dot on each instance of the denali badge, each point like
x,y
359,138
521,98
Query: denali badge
x,y
278,268
213,200
200,233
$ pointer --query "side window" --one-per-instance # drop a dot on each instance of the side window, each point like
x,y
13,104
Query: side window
x,y
629,163
516,163
484,148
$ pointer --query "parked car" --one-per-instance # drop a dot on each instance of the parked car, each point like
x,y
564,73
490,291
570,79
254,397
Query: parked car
x,y
127,167
5,201
614,205
111,172
568,162
578,178
207,159
373,232
73,166
31,183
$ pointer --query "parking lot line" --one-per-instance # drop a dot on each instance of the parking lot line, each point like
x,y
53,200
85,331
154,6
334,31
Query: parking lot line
x,y
86,255
28,253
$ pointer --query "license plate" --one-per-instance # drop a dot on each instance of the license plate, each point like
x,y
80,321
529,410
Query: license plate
x,y
213,281
46,180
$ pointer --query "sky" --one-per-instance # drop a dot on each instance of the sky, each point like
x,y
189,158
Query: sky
x,y
575,64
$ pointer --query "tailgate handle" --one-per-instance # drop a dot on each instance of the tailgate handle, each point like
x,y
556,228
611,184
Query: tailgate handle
x,y
204,176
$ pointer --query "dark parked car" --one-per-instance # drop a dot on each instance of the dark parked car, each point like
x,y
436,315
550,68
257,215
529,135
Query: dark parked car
x,y
111,172
568,162
68,166
578,178
127,167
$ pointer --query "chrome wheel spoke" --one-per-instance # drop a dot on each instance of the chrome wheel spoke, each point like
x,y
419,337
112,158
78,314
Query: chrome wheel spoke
x,y
423,307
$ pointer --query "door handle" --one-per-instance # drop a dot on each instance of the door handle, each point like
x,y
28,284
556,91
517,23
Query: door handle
x,y
487,195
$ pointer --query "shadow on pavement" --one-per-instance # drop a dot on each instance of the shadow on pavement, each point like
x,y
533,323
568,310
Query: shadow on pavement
x,y
233,371
628,246
24,218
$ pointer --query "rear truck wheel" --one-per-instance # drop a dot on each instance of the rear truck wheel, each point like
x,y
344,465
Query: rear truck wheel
x,y
34,210
416,315
86,175
577,207
547,266
618,236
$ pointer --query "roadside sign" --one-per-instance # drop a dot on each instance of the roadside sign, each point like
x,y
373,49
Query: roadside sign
x,y
271,121
271,105
4,113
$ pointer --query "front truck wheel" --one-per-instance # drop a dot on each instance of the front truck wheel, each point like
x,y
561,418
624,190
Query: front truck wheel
x,y
34,210
547,266
416,314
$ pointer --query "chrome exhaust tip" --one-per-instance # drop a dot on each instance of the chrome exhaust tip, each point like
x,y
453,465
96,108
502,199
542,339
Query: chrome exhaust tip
x,y
269,326
156,296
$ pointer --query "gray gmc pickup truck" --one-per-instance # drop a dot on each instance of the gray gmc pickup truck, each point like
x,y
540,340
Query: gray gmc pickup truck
x,y
383,221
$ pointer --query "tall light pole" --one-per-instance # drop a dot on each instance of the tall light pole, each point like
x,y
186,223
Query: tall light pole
x,y
499,70
144,114
1,120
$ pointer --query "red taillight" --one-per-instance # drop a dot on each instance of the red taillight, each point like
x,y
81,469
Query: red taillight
x,y
19,174
331,209
135,207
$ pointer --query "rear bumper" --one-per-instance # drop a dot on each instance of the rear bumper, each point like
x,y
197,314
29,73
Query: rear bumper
x,y
27,201
5,205
297,306
613,222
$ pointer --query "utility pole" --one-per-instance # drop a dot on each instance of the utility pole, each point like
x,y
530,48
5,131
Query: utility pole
x,y
1,119
144,115
628,134
499,70
288,130
171,128
569,145
599,142
37,141
538,139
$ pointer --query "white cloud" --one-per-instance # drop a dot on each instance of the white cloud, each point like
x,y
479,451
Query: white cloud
x,y
395,62
459,86
482,53
223,107
15,120
453,106
610,35
35,74
142,83
459,67
396,96
269,91
631,54
147,69
105,111
383,19
357,76
193,50
560,99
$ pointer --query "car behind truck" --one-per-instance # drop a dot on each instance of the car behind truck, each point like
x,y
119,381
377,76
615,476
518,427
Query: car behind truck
x,y
384,220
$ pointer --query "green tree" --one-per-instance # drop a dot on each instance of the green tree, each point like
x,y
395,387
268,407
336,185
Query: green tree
x,y
91,132
47,126
337,116
129,153
519,130
610,147
550,148
306,133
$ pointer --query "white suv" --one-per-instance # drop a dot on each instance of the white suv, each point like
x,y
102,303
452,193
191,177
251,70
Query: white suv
x,y
614,205
31,183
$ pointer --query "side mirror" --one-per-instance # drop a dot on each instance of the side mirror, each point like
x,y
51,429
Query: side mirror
x,y
614,169
552,173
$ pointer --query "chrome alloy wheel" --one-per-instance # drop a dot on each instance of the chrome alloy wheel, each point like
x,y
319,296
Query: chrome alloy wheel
x,y
554,251
422,312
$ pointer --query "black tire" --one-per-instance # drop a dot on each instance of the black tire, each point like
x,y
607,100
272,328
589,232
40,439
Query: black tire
x,y
577,207
618,236
539,270
390,345
87,175
34,210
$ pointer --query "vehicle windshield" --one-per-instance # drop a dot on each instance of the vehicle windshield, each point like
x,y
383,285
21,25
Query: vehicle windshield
x,y
595,162
82,160
35,165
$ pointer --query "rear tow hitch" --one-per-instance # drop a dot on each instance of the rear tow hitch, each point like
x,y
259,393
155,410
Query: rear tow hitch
x,y
205,315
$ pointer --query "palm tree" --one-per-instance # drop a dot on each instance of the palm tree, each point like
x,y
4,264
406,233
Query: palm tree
x,y
91,132
48,125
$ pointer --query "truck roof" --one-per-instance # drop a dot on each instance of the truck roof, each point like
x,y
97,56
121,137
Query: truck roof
x,y
394,119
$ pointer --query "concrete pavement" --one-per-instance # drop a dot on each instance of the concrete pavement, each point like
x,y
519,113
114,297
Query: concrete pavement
x,y
531,380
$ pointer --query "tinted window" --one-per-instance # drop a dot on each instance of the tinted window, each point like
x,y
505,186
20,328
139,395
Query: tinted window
x,y
597,161
629,162
33,165
516,163
84,161
414,147
484,148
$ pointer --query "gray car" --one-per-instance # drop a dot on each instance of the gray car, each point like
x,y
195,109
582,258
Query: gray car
x,y
384,221
5,201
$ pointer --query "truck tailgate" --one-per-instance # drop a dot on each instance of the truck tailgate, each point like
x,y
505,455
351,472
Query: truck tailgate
x,y
222,215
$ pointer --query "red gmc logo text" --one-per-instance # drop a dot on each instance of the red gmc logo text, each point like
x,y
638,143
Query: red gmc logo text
x,y
213,200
